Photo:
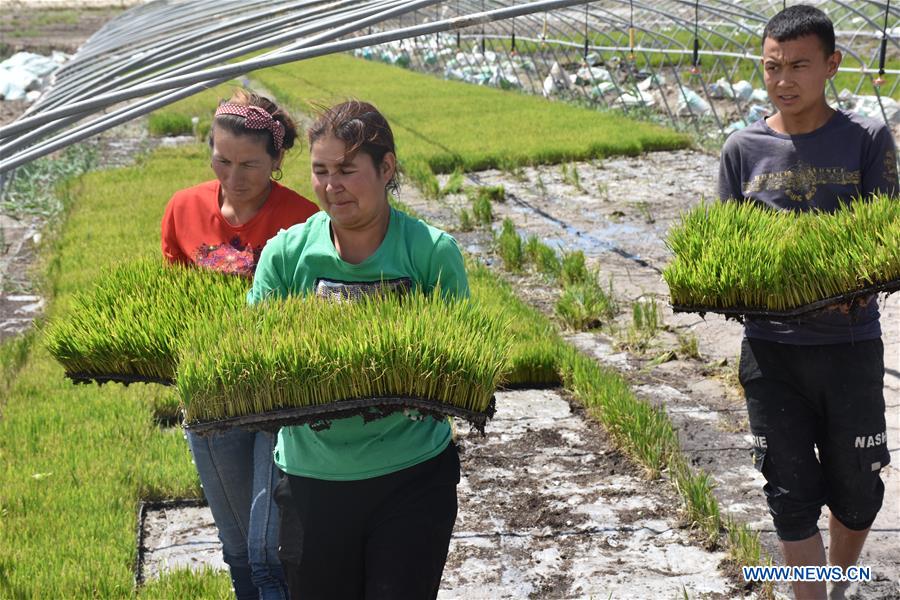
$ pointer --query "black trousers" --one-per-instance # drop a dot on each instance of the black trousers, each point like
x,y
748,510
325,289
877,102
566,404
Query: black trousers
x,y
803,399
385,537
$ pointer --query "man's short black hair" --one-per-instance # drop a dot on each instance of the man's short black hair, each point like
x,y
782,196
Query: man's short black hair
x,y
799,21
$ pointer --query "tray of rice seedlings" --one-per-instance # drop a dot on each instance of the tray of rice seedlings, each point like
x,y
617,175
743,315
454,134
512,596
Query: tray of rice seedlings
x,y
305,360
128,326
742,259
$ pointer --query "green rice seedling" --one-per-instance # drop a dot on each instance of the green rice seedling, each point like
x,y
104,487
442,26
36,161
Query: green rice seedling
x,y
541,186
645,316
38,189
455,183
583,306
13,353
688,346
739,255
420,173
571,177
643,208
532,245
573,269
481,209
494,193
131,322
701,507
645,324
303,352
536,352
169,124
547,262
465,220
510,246
641,430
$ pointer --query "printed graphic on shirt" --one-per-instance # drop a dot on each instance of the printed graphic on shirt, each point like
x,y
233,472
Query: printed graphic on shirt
x,y
343,290
233,258
801,182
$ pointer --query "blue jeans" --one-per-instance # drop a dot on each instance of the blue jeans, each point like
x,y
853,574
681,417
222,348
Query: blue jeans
x,y
238,475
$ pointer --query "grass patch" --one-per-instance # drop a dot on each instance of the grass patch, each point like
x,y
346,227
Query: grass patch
x,y
536,350
425,114
574,270
740,255
465,220
13,353
455,183
645,324
543,257
481,209
169,124
583,306
510,247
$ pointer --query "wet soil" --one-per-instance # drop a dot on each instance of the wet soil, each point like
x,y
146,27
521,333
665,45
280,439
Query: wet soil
x,y
44,26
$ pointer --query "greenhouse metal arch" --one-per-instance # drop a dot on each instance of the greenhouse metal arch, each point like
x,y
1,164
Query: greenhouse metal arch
x,y
692,65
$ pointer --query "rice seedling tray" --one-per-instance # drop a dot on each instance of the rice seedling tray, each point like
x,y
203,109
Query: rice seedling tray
x,y
738,313
301,360
85,378
320,417
742,259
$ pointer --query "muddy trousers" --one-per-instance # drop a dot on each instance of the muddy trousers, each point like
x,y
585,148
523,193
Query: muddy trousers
x,y
381,538
817,418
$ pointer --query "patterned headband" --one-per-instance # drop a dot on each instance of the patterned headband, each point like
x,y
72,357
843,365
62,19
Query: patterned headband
x,y
255,118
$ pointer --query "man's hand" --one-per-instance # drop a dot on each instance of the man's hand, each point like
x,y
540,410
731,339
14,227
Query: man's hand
x,y
846,307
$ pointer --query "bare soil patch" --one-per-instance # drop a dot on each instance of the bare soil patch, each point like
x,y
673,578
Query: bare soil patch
x,y
42,27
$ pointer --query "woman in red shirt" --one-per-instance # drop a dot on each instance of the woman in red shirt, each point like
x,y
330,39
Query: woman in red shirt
x,y
223,225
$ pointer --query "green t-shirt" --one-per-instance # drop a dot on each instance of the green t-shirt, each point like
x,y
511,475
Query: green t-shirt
x,y
303,260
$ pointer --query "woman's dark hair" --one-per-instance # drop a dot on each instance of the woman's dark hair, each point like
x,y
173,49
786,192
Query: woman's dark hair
x,y
235,124
361,127
799,21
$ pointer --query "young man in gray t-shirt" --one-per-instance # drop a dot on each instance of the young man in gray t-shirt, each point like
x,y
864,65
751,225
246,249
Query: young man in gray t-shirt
x,y
817,382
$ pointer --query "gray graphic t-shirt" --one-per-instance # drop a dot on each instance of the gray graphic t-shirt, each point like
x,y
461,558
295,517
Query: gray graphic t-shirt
x,y
848,157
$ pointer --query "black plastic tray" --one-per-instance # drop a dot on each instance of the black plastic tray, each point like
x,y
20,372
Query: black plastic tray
x,y
84,378
737,312
319,416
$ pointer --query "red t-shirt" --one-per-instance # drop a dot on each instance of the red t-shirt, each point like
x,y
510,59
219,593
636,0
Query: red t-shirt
x,y
195,232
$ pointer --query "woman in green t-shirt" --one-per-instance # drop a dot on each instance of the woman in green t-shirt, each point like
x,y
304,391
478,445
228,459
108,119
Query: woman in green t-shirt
x,y
375,499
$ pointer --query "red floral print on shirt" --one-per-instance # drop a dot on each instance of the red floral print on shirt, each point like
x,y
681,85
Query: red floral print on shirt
x,y
233,258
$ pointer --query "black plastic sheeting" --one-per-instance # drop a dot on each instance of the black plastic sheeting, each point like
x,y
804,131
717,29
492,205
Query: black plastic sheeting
x,y
738,313
319,417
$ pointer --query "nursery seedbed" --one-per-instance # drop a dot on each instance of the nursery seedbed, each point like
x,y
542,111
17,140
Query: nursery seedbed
x,y
320,417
